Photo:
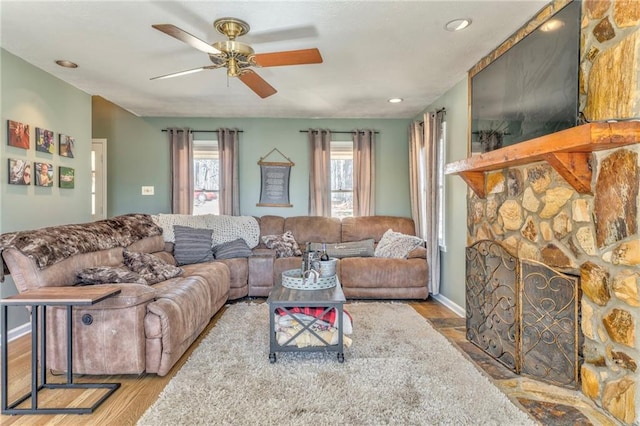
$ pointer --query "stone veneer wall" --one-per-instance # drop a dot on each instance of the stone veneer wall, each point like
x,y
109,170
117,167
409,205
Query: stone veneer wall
x,y
537,215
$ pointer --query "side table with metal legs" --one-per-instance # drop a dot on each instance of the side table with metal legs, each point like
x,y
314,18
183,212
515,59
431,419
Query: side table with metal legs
x,y
39,300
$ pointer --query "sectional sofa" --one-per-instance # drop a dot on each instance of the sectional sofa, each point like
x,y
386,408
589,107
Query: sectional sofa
x,y
164,305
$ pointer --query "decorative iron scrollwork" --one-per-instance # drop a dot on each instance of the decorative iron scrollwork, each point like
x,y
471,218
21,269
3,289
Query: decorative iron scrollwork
x,y
523,314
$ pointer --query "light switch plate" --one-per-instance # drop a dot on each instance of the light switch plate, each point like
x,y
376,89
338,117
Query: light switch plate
x,y
147,190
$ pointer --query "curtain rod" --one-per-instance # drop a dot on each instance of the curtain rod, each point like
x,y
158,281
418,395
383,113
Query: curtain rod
x,y
341,131
200,131
438,111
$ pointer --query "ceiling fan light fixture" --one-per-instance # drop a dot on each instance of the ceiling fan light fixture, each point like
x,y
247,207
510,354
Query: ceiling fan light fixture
x,y
457,24
66,64
395,100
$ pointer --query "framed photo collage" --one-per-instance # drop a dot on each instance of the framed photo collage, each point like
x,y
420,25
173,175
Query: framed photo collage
x,y
41,172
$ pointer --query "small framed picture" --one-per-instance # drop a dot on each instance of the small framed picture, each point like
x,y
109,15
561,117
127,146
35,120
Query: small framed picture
x,y
19,172
44,141
18,134
44,174
67,177
66,146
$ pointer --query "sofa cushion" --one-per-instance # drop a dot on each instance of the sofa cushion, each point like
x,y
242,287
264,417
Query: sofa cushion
x,y
364,227
309,229
108,275
396,245
285,245
364,248
192,245
150,267
233,249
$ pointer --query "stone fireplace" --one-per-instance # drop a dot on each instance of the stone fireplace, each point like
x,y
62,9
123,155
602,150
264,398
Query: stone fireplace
x,y
570,200
535,214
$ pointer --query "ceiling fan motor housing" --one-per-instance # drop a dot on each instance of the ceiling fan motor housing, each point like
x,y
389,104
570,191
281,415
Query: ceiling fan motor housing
x,y
235,55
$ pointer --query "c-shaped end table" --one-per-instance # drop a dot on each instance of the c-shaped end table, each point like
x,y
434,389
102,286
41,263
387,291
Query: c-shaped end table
x,y
39,299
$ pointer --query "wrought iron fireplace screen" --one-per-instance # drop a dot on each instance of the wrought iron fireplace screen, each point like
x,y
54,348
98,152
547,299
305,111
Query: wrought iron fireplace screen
x,y
524,314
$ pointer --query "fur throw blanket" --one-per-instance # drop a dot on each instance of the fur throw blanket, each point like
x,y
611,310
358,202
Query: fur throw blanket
x,y
54,244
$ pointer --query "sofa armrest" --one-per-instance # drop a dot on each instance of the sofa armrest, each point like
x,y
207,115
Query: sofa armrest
x,y
418,253
130,295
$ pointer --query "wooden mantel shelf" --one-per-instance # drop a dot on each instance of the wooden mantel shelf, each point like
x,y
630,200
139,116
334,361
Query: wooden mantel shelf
x,y
567,151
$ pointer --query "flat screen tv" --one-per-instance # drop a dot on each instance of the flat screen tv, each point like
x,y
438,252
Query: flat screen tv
x,y
532,89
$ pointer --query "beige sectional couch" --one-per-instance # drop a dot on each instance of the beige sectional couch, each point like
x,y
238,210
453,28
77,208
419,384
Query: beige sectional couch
x,y
361,277
148,327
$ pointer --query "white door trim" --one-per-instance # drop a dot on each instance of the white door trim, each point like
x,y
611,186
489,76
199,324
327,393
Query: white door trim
x,y
101,178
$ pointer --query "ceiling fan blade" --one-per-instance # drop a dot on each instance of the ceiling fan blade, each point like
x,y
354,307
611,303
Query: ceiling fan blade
x,y
184,36
185,72
282,34
257,84
291,57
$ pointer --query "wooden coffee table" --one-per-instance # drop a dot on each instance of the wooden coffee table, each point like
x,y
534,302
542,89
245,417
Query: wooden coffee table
x,y
286,299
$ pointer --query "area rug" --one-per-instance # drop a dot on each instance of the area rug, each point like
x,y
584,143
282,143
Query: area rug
x,y
398,370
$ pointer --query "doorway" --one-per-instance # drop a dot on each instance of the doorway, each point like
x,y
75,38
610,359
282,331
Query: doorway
x,y
99,179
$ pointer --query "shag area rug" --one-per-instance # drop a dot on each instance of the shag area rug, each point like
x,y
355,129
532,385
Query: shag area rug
x,y
398,370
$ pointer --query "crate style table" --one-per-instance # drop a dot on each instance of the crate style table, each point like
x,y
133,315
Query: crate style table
x,y
39,299
287,299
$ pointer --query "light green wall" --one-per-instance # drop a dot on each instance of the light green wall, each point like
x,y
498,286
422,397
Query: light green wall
x,y
452,262
138,155
34,97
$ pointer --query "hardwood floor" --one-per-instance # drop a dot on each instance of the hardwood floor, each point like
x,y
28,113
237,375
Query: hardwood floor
x,y
137,393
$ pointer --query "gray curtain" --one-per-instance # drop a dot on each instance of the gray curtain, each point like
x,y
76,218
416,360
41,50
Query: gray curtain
x,y
423,180
229,199
364,172
319,172
181,152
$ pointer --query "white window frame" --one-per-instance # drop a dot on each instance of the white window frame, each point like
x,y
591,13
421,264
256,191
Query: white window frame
x,y
340,150
442,159
202,149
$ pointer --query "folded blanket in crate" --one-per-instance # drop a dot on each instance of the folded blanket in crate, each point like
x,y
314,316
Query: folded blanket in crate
x,y
329,317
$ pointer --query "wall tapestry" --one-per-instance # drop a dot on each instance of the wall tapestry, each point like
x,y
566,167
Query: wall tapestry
x,y
274,178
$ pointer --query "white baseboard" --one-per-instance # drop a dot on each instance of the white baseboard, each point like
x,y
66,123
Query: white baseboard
x,y
457,309
19,331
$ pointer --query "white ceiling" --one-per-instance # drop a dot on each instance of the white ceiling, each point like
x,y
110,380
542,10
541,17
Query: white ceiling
x,y
372,51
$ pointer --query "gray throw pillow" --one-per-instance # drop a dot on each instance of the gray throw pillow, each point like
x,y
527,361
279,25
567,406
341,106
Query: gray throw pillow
x,y
108,275
232,249
192,245
362,248
150,267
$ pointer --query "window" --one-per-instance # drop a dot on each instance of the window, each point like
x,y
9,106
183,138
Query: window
x,y
442,158
206,177
341,178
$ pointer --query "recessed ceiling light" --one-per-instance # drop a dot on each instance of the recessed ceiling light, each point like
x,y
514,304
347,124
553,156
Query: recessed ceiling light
x,y
457,24
395,100
66,64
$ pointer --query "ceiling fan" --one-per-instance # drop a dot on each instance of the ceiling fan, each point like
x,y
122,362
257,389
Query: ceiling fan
x,y
238,57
